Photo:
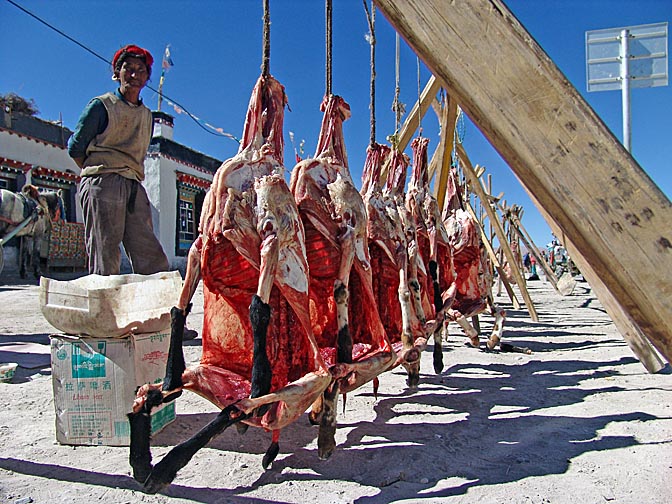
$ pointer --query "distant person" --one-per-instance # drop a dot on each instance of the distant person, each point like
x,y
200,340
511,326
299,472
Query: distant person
x,y
533,268
109,145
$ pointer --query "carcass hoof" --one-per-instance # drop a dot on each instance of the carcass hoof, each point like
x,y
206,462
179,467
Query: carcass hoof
x,y
154,398
438,359
475,342
160,479
314,418
492,343
270,455
413,379
172,396
326,441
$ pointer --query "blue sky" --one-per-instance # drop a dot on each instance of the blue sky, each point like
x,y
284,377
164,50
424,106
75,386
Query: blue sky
x,y
216,51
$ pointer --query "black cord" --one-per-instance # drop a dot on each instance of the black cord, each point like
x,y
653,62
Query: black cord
x,y
110,63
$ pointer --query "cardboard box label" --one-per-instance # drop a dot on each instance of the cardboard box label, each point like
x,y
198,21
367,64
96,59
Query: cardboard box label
x,y
87,363
95,380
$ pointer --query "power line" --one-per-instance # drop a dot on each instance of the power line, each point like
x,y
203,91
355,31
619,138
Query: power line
x,y
195,119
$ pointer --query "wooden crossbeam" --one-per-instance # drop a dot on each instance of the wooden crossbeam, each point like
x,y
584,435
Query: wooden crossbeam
x,y
592,190
412,122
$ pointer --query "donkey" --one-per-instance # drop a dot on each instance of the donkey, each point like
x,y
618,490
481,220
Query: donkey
x,y
40,209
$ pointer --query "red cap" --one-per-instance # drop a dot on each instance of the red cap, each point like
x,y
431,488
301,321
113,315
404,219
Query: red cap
x,y
134,50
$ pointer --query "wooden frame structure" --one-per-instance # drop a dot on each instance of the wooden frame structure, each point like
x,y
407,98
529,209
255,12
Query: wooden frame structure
x,y
615,219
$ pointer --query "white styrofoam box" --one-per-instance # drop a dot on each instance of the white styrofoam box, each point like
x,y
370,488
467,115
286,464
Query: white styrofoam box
x,y
110,306
94,382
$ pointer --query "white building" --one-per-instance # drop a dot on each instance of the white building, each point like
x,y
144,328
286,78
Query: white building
x,y
35,151
176,180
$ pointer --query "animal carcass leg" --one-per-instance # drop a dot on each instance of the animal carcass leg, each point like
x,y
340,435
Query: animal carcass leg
x,y
165,471
496,336
260,315
413,282
341,294
410,355
140,422
326,440
438,305
175,365
469,331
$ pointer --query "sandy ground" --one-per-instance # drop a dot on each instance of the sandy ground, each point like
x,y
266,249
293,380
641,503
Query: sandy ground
x,y
577,421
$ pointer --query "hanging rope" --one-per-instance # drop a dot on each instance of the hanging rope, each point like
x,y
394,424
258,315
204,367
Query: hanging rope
x,y
266,54
397,106
419,107
371,18
328,14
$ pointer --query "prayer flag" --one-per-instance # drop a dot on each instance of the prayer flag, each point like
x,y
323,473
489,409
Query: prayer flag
x,y
167,61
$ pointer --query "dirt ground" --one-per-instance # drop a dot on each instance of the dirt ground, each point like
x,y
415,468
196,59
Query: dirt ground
x,y
577,421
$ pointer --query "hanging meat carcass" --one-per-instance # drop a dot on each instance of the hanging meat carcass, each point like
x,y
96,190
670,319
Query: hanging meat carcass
x,y
260,362
394,257
433,245
344,314
473,268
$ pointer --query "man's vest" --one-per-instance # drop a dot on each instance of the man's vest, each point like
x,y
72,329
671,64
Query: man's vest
x,y
122,147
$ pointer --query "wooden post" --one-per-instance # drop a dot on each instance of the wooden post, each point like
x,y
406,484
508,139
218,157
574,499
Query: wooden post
x,y
447,126
616,218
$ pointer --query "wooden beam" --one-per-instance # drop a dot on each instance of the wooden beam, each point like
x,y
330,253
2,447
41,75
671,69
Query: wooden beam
x,y
616,218
633,336
412,121
447,125
418,111
470,173
437,157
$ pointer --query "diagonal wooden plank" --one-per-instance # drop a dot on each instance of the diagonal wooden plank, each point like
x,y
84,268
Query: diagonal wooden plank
x,y
617,219
418,111
630,331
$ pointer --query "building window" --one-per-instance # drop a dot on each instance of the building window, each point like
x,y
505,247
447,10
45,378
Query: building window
x,y
186,225
8,179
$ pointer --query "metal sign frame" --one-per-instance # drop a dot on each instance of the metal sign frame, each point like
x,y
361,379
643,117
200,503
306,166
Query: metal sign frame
x,y
624,58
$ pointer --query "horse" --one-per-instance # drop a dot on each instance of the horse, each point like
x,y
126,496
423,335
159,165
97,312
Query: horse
x,y
41,209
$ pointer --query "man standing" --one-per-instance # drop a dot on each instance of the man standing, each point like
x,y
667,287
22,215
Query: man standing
x,y
109,145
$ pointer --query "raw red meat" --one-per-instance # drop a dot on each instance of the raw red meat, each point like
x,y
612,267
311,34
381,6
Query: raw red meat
x,y
473,268
343,308
260,362
393,249
438,277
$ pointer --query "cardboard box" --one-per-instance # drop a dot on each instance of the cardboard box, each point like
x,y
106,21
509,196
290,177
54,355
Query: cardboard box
x,y
95,380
